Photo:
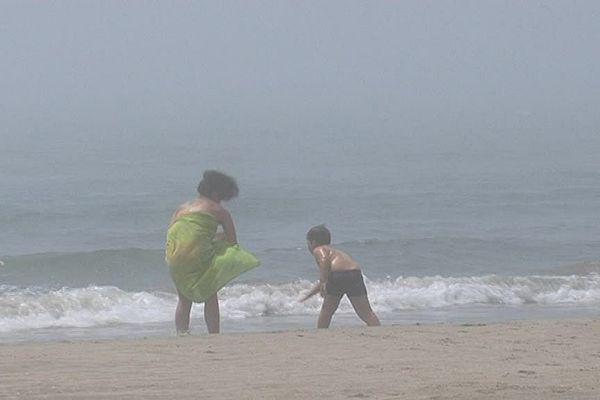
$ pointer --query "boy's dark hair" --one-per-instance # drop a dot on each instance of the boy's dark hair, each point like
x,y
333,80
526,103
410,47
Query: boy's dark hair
x,y
319,234
217,182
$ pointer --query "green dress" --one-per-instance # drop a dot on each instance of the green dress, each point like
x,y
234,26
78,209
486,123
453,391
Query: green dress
x,y
198,264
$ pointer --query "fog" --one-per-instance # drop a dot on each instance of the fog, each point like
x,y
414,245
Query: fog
x,y
423,75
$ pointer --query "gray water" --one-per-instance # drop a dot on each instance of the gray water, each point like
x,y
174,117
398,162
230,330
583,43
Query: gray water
x,y
462,172
440,236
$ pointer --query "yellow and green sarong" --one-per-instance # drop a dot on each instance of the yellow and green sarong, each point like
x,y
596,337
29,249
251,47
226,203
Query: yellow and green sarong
x,y
199,265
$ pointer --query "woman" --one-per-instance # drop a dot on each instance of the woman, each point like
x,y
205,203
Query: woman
x,y
201,261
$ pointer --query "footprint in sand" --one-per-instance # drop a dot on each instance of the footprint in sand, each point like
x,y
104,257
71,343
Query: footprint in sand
x,y
526,372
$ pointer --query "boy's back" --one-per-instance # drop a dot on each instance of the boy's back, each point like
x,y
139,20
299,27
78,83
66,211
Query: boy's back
x,y
335,258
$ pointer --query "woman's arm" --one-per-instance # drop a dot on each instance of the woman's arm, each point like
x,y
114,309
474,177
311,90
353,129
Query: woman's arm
x,y
228,226
175,215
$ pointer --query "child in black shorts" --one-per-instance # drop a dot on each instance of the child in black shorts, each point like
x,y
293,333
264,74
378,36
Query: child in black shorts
x,y
339,275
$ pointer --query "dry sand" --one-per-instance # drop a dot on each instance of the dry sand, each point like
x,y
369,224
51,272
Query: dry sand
x,y
515,360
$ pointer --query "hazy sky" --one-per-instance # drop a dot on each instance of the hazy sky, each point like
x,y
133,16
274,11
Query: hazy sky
x,y
451,72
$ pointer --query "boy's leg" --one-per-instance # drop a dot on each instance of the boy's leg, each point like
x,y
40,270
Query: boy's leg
x,y
363,310
330,304
182,314
211,314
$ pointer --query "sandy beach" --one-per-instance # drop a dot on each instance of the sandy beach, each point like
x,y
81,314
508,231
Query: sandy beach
x,y
514,360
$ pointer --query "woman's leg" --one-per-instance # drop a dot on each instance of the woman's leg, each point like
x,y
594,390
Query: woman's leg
x,y
182,314
211,314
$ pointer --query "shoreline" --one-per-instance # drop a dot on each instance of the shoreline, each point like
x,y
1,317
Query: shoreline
x,y
538,359
474,314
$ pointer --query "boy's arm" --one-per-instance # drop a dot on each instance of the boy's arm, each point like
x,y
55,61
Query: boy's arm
x,y
316,289
324,269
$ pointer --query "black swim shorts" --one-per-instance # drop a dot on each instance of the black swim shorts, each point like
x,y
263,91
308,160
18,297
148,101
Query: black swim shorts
x,y
350,283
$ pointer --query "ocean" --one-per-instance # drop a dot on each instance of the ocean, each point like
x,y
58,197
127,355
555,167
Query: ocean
x,y
457,234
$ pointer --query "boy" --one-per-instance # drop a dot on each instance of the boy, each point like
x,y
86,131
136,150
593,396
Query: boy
x,y
339,275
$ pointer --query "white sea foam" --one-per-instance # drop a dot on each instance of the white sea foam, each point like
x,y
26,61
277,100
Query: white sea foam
x,y
80,307
104,305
